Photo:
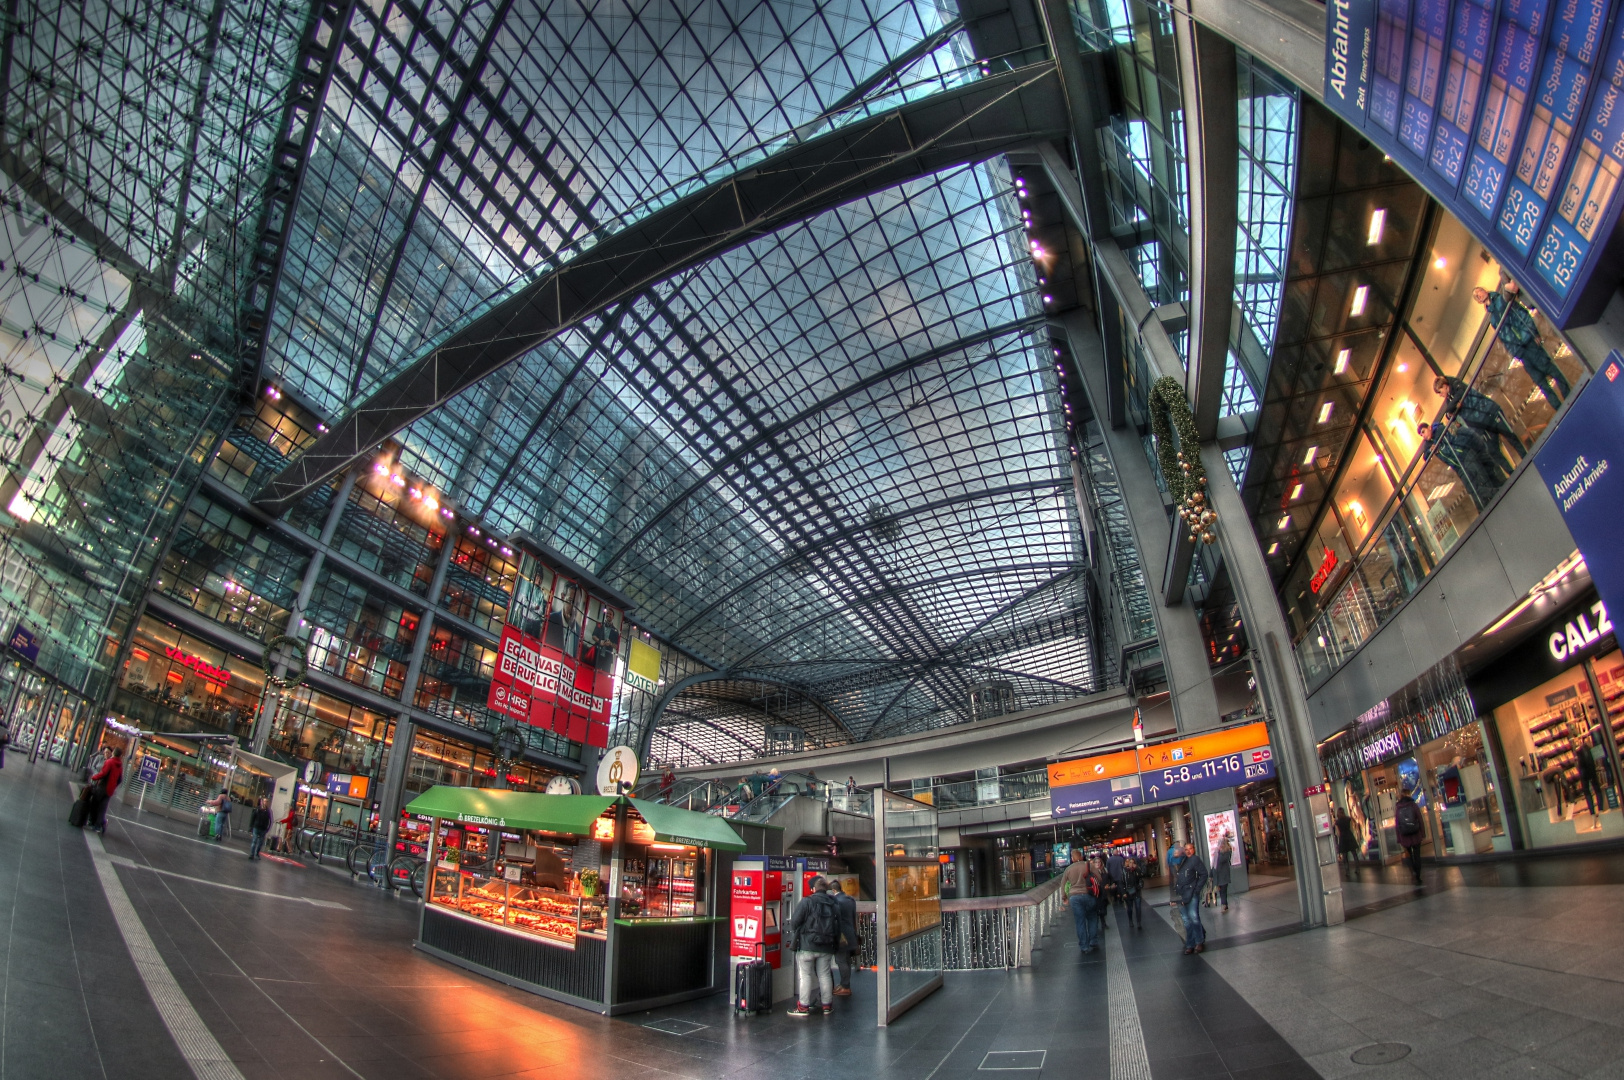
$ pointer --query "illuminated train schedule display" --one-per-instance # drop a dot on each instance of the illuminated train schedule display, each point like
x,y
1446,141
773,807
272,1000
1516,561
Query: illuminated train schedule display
x,y
1511,114
1161,771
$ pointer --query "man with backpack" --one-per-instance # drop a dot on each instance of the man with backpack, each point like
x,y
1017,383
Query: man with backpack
x,y
851,944
1083,892
1411,829
815,937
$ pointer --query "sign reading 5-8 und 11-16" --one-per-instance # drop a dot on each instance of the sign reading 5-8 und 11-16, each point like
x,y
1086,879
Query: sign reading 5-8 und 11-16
x,y
1160,771
1509,112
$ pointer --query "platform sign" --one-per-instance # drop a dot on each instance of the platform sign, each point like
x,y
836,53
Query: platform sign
x,y
1161,771
148,772
1506,111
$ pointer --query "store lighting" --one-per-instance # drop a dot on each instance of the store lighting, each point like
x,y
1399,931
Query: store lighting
x,y
1296,492
381,469
1402,368
1048,299
1284,522
1361,296
321,428
1378,219
1341,361
1326,410
1274,548
1308,458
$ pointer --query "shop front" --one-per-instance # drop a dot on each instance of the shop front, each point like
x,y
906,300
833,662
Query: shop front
x,y
602,902
1556,705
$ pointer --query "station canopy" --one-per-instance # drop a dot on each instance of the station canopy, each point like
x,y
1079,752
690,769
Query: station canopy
x,y
829,461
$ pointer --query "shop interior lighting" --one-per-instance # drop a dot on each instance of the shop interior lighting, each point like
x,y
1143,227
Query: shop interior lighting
x,y
1296,492
1440,492
1378,219
1341,361
1361,296
1440,262
1326,410
1313,452
1284,522
1274,548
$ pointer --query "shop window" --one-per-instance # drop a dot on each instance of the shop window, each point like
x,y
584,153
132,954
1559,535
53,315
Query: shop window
x,y
343,738
174,682
1361,496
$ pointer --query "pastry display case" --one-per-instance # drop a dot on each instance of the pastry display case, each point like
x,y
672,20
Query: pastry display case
x,y
557,918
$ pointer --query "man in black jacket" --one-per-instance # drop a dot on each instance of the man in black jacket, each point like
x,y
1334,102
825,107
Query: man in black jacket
x,y
849,943
1192,878
259,823
815,931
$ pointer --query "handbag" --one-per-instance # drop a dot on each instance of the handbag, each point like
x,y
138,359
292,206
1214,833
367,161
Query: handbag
x,y
1209,896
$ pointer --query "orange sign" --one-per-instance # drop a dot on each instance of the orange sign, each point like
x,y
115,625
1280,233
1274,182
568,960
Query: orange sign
x,y
1099,767
1200,747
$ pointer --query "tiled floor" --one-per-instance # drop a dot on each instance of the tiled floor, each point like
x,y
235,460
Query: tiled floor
x,y
1472,976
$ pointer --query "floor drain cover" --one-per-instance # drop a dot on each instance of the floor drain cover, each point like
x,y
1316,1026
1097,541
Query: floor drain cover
x,y
1013,1060
674,1026
1380,1053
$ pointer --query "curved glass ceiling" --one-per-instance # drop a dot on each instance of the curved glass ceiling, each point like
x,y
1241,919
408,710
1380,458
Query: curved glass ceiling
x,y
835,456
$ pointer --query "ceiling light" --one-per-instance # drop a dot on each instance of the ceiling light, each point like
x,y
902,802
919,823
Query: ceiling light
x,y
1402,368
1283,523
1326,410
1341,361
1378,218
1274,548
1296,492
1440,262
1308,458
1360,296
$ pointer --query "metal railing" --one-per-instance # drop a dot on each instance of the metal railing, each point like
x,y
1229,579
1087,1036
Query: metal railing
x,y
1015,787
985,932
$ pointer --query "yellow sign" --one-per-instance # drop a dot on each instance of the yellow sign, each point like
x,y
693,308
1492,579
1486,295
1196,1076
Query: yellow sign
x,y
643,667
1217,744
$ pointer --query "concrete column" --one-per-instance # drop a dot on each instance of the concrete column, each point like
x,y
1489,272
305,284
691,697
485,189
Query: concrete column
x,y
400,749
1184,653
1281,685
271,697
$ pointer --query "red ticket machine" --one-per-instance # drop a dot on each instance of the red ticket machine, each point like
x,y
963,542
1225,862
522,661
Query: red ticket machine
x,y
756,933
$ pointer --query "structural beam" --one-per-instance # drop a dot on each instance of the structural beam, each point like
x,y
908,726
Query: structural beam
x,y
966,124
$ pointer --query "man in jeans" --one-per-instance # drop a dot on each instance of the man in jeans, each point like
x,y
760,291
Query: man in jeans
x,y
259,823
1192,878
816,933
850,944
1083,892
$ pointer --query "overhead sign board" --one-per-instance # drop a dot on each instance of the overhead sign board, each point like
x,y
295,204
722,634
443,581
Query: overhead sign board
x,y
1582,464
1161,771
1505,111
24,643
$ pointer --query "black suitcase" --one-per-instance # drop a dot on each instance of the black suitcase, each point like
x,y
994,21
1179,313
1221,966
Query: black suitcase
x,y
80,810
753,987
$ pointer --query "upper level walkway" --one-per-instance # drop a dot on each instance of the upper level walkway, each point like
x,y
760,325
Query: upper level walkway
x,y
149,953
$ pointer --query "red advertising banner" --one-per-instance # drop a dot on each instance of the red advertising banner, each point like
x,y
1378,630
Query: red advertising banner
x,y
509,702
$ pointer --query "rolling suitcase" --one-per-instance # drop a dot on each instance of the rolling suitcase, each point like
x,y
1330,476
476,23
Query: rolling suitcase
x,y
753,986
80,810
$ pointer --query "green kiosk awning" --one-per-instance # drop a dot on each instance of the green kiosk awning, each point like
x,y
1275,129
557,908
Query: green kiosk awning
x,y
570,814
686,827
512,809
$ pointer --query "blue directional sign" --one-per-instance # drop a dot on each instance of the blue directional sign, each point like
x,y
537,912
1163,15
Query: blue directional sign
x,y
148,773
24,643
1192,778
1096,796
1162,771
1507,112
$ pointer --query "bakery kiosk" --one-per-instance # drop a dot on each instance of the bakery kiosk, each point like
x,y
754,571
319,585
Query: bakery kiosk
x,y
605,902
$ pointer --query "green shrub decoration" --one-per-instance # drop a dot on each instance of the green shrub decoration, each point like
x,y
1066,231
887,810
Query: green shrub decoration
x,y
1185,477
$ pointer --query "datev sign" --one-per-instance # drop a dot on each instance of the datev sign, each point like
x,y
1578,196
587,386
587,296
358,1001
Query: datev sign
x,y
1582,464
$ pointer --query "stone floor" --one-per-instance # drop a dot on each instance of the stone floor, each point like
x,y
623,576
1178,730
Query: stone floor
x,y
274,970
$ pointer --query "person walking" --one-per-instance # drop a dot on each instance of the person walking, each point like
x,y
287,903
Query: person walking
x,y
259,823
816,933
1133,883
1113,871
668,780
1187,887
1589,778
1175,857
103,782
222,815
1347,843
1515,326
1082,891
1411,828
850,943
1221,862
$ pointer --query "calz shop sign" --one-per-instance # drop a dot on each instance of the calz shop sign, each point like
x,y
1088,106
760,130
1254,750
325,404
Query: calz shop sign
x,y
1580,633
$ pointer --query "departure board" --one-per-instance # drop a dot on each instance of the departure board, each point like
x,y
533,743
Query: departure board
x,y
1506,111
1162,771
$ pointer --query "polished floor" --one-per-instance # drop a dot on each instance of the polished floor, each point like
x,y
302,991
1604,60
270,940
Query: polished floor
x,y
275,970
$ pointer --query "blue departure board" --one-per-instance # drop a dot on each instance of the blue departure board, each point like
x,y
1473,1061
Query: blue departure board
x,y
1509,113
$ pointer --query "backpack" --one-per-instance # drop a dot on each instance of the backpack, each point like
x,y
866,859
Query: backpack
x,y
1407,819
822,930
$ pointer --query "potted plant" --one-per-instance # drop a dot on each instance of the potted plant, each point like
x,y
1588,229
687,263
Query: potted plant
x,y
589,883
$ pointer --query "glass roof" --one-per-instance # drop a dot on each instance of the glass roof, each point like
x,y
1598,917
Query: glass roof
x,y
835,456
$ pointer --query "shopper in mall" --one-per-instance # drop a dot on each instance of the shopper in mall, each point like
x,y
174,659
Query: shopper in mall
x,y
103,782
1133,883
850,943
1083,892
815,937
1520,335
1187,887
1589,778
1347,843
259,823
1221,862
1411,829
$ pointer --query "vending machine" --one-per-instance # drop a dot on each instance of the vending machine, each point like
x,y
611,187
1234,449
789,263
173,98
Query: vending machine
x,y
757,894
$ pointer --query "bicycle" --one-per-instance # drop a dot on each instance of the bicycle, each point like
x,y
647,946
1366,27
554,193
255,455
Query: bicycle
x,y
408,871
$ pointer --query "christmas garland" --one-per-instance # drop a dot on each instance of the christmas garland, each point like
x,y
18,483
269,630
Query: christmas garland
x,y
1185,477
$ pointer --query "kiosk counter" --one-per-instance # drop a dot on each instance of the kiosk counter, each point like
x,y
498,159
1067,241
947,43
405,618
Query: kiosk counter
x,y
608,903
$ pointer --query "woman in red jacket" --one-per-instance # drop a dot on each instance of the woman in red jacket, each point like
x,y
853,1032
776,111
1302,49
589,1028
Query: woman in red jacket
x,y
102,786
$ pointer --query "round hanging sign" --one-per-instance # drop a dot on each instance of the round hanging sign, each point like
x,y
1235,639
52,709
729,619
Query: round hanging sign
x,y
617,772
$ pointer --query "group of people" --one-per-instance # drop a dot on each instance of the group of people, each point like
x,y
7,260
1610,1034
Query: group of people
x,y
823,934
1090,888
1409,828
